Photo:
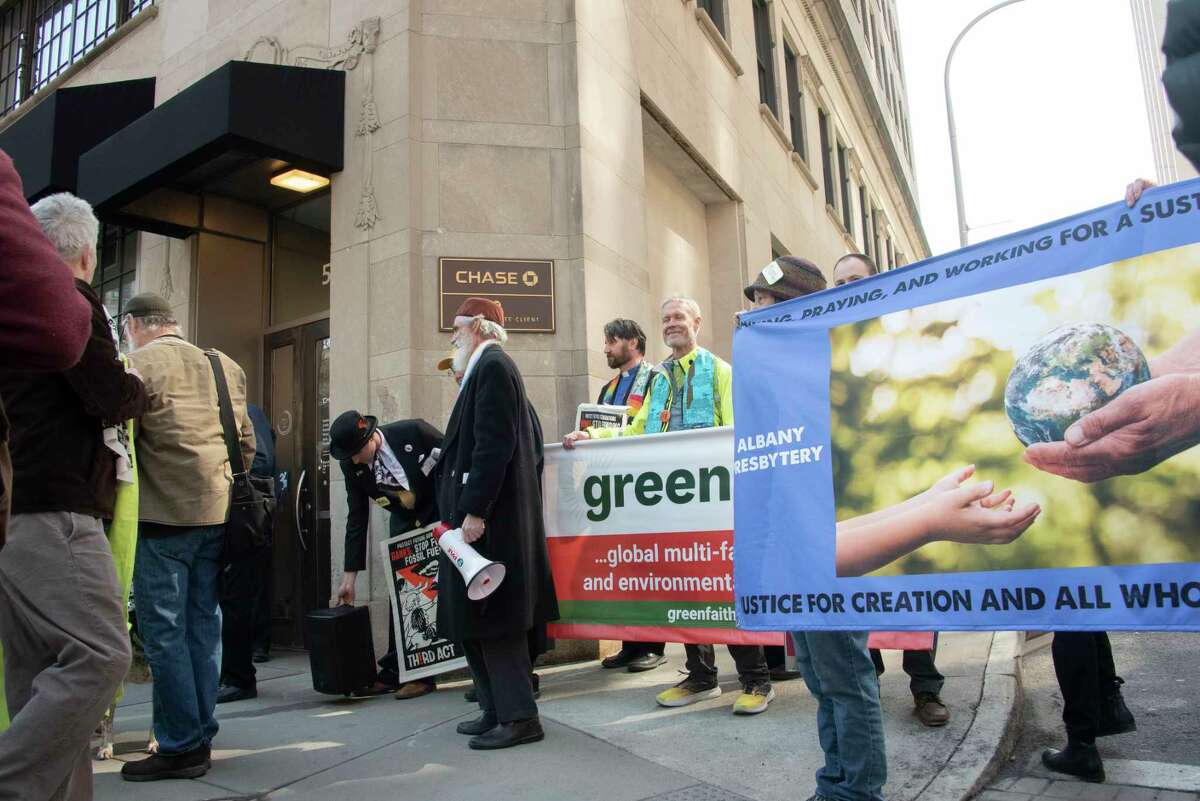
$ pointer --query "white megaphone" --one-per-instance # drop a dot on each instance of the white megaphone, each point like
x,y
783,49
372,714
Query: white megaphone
x,y
482,575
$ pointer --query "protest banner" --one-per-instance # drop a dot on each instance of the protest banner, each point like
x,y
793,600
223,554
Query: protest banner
x,y
640,534
1061,362
411,559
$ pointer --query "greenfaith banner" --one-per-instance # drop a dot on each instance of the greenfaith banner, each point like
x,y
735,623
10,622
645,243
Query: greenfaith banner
x,y
640,533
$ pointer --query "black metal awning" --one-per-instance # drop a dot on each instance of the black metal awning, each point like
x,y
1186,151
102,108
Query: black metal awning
x,y
45,143
293,114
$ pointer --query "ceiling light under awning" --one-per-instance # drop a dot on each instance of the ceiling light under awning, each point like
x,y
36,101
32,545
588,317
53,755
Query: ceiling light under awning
x,y
300,181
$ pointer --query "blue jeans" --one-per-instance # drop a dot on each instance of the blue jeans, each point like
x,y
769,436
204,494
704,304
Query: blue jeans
x,y
838,671
175,579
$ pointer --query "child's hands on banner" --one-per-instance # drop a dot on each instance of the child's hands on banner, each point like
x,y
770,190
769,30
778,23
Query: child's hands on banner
x,y
978,516
973,515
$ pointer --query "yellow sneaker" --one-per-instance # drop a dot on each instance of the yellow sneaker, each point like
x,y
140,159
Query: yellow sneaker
x,y
754,700
688,691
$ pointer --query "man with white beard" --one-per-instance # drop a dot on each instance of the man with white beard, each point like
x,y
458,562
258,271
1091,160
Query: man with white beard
x,y
489,486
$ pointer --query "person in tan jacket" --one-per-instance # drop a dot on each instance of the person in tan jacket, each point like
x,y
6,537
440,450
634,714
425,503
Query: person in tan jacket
x,y
185,481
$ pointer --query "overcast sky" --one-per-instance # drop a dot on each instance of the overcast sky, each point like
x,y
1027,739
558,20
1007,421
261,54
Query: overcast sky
x,y
1048,104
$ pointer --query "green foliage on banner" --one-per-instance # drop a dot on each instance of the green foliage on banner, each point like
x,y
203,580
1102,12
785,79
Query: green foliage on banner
x,y
917,394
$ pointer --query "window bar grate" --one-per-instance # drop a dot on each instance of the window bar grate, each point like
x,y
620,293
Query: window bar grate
x,y
40,39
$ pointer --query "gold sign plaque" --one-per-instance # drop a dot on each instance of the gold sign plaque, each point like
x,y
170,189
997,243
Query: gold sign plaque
x,y
525,288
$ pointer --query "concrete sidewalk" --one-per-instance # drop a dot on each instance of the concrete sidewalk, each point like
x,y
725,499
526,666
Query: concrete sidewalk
x,y
1158,762
605,740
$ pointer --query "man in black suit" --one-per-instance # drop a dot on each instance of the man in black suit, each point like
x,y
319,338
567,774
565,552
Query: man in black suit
x,y
488,486
392,465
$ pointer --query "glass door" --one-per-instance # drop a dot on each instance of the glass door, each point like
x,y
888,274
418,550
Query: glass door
x,y
297,400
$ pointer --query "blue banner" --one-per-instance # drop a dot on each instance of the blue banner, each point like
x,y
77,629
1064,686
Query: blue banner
x,y
1002,437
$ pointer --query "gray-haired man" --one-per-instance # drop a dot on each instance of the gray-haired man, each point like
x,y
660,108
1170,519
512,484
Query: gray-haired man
x,y
62,623
184,481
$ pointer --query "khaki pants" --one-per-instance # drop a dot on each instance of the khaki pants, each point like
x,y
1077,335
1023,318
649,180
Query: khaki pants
x,y
66,650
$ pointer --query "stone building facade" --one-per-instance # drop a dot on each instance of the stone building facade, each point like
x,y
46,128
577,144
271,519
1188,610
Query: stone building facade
x,y
645,147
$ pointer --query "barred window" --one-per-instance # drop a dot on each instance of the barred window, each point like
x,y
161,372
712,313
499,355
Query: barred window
x,y
116,270
39,39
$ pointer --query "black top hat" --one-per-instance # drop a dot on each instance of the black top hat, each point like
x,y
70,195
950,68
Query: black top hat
x,y
349,432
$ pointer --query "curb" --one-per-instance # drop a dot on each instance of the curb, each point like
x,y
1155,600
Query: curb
x,y
993,731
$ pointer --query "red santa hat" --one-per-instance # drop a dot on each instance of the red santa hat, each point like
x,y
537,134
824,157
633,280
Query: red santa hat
x,y
479,307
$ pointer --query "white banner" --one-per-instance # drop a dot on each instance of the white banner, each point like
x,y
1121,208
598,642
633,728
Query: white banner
x,y
640,534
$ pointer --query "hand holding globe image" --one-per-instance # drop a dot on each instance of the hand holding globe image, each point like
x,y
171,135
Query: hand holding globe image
x,y
1065,363
1073,370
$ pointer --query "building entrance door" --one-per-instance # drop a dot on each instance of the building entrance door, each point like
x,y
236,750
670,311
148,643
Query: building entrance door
x,y
296,389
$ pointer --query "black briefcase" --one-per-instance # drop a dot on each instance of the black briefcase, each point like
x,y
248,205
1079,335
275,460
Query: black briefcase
x,y
340,650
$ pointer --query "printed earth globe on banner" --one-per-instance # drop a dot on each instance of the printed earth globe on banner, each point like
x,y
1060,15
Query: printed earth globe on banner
x,y
1073,370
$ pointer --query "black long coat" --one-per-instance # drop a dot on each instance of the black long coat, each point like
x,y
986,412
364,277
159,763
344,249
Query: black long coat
x,y
413,442
489,468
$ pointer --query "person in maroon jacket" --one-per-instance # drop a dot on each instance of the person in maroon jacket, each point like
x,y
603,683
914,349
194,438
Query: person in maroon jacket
x,y
62,620
43,324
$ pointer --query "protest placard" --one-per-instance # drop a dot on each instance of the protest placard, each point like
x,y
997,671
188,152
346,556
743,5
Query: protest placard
x,y
600,415
411,560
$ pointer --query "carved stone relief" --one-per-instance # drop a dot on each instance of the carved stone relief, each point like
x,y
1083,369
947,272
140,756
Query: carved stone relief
x,y
359,48
808,73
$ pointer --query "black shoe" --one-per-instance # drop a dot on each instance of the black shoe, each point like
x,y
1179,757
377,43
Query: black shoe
x,y
231,692
536,681
1077,759
188,765
506,735
261,656
377,687
620,659
1115,717
646,662
471,696
480,725
783,674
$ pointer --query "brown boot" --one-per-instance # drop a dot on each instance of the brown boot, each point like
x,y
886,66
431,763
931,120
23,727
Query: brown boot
x,y
415,689
930,710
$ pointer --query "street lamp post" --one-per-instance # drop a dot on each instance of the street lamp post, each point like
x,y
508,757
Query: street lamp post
x,y
958,190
